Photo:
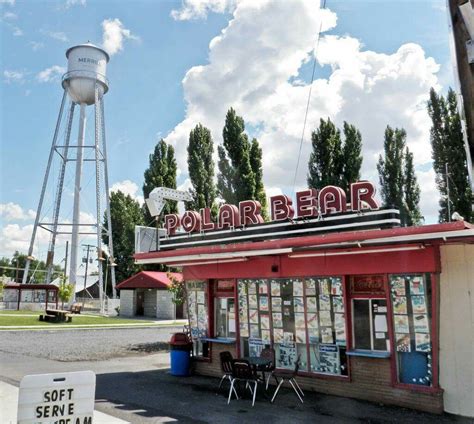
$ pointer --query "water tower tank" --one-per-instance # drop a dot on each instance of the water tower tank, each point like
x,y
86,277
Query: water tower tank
x,y
87,66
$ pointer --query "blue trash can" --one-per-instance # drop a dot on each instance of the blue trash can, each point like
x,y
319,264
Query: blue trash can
x,y
180,354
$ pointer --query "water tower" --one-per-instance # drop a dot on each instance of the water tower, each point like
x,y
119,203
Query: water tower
x,y
84,84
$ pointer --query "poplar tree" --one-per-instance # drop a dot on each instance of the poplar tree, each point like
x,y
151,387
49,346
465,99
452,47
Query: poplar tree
x,y
332,161
161,172
240,164
256,164
201,168
411,191
397,177
449,155
352,156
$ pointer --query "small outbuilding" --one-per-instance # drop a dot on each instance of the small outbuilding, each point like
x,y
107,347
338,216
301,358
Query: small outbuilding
x,y
34,297
146,294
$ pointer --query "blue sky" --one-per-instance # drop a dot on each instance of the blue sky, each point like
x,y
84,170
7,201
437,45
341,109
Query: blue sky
x,y
166,76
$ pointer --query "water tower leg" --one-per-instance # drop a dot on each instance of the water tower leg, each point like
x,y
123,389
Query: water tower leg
x,y
43,189
59,193
77,201
107,203
97,194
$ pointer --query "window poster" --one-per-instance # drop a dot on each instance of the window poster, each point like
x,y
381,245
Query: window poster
x,y
400,305
421,323
256,346
253,301
276,304
253,316
311,304
275,288
254,330
300,335
277,320
263,302
201,298
277,335
298,304
287,355
262,287
416,286
299,320
326,335
324,302
251,288
402,342
340,327
325,318
310,287
401,324
244,329
312,321
337,304
328,359
398,287
336,287
418,304
423,343
266,336
324,286
265,322
297,288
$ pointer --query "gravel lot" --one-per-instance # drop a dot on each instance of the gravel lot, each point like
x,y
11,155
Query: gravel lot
x,y
86,345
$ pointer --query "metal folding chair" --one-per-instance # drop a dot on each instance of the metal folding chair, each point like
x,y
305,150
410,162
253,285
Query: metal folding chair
x,y
290,377
243,371
226,366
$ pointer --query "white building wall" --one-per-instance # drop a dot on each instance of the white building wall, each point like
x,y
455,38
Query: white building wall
x,y
165,307
128,304
456,360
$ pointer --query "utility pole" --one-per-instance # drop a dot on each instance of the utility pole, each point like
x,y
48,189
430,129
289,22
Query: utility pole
x,y
447,192
65,259
88,247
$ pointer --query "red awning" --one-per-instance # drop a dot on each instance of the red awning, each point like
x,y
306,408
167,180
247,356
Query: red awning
x,y
149,280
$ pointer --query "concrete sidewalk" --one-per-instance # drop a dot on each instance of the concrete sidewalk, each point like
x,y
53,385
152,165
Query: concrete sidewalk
x,y
9,405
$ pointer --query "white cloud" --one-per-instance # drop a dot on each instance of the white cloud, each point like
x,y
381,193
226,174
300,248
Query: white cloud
x,y
36,45
130,188
10,76
10,16
71,3
52,73
252,65
13,212
114,35
56,35
9,2
17,32
199,9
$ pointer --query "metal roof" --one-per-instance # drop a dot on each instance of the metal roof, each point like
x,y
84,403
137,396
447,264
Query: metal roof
x,y
149,280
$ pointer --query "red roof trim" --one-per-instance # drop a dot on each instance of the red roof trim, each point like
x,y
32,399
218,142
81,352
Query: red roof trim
x,y
149,280
310,240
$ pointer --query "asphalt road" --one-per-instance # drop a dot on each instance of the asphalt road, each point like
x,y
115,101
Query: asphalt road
x,y
86,345
134,385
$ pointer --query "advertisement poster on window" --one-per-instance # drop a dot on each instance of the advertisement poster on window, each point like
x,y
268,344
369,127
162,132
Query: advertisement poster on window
x,y
287,355
329,359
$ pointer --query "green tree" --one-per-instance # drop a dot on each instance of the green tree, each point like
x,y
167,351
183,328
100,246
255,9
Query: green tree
x,y
13,268
225,178
449,155
411,191
351,156
325,161
201,168
161,172
257,169
390,168
125,213
65,291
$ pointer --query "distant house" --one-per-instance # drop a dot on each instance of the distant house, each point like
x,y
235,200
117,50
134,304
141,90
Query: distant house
x,y
146,294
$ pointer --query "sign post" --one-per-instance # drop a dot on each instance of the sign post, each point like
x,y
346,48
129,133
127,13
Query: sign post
x,y
63,398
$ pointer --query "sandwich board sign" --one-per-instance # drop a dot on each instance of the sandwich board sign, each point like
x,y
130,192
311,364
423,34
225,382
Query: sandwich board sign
x,y
63,398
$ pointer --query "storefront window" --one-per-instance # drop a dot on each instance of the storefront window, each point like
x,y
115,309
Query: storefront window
x,y
370,324
225,317
51,296
411,305
198,313
296,317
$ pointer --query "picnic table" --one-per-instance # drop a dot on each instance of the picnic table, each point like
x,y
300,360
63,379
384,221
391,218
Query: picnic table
x,y
56,315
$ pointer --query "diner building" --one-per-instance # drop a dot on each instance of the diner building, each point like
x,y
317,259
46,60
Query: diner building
x,y
375,311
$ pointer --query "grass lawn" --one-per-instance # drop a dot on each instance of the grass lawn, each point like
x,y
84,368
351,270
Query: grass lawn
x,y
33,320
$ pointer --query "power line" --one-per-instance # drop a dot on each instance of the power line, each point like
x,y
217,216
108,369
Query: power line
x,y
309,96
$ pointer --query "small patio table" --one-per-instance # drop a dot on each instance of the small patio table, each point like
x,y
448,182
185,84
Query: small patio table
x,y
259,364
